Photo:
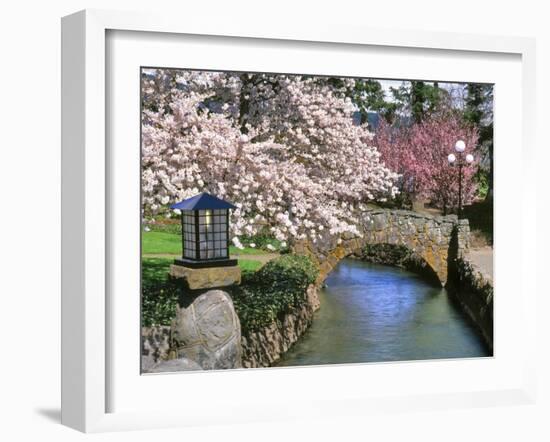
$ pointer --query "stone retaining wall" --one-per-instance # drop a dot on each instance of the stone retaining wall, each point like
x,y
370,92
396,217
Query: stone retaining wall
x,y
264,347
474,292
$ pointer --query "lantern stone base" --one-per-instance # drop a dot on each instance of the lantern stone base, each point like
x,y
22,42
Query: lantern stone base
x,y
208,277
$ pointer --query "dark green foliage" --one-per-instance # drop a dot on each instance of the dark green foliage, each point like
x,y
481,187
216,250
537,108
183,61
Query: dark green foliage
x,y
411,101
262,296
480,217
154,270
273,290
374,98
419,98
368,96
159,294
478,111
482,179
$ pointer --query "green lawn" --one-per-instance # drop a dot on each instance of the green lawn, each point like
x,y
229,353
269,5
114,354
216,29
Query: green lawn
x,y
249,265
162,243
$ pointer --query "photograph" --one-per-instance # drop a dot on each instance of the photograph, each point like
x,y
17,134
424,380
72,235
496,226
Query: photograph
x,y
294,220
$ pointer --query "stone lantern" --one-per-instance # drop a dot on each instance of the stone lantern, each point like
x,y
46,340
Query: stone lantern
x,y
205,261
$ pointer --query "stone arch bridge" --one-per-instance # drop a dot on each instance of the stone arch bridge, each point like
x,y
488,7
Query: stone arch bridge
x,y
432,238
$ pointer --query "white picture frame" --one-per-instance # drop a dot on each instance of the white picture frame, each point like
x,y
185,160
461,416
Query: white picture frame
x,y
87,208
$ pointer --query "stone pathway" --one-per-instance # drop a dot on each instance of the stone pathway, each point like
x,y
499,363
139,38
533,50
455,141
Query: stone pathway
x,y
482,259
263,257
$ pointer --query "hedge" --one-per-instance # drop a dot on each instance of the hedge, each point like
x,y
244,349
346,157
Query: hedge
x,y
273,290
262,297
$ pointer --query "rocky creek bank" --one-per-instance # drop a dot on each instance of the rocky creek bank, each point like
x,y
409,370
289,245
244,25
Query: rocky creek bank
x,y
263,347
473,289
470,286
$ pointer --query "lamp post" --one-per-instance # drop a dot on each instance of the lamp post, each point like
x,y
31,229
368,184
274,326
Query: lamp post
x,y
461,161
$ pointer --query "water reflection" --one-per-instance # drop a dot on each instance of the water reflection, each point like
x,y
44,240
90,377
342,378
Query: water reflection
x,y
371,312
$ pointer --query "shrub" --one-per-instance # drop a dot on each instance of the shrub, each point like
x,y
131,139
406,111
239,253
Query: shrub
x,y
158,303
273,290
288,272
263,295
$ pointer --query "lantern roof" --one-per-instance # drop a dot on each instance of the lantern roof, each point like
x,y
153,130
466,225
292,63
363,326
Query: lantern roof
x,y
202,201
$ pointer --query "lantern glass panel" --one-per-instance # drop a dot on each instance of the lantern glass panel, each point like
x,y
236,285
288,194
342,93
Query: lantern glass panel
x,y
188,228
212,234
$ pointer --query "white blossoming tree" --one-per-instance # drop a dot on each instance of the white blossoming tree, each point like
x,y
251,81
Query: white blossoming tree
x,y
283,149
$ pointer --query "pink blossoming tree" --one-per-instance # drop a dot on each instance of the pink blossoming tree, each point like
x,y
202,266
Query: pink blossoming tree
x,y
283,149
419,154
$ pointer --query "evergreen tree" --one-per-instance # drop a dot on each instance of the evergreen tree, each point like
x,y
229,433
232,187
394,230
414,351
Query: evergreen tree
x,y
415,100
478,111
367,95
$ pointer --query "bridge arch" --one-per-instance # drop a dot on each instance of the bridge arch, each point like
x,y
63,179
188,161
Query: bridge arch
x,y
435,239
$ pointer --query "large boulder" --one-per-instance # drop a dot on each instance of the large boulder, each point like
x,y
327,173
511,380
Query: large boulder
x,y
208,331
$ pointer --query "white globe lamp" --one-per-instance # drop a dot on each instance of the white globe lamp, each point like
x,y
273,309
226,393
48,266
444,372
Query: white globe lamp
x,y
451,158
460,146
469,158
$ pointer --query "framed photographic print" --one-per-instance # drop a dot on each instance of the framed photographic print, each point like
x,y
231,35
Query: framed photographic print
x,y
338,186
248,214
